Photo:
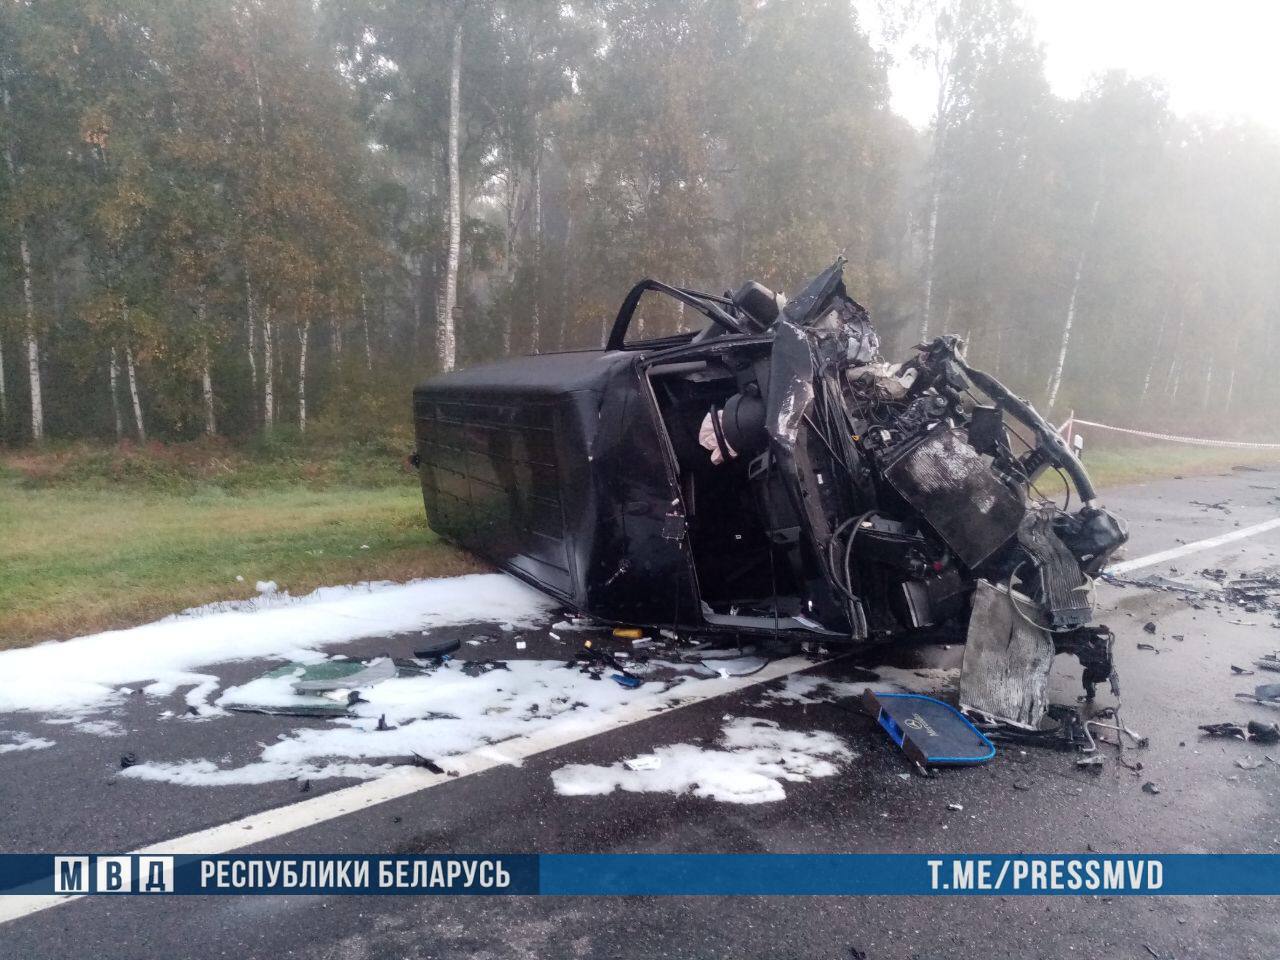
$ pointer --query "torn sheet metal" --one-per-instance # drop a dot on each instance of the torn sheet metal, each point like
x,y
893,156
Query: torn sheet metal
x,y
1005,670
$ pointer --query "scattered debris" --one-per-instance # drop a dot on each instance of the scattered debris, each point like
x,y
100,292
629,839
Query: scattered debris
x,y
128,760
1219,505
1069,734
1094,761
1269,662
85,674
425,763
1147,646
1150,787
1227,731
1264,732
1149,626
478,668
331,675
1255,592
648,761
442,646
1267,691
957,807
928,731
323,689
1241,671
1248,763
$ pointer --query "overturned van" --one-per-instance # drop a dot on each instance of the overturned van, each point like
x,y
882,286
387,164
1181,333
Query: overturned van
x,y
769,474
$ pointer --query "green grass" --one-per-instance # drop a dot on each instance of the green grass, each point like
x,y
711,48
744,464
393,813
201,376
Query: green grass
x,y
1136,462
78,554
98,537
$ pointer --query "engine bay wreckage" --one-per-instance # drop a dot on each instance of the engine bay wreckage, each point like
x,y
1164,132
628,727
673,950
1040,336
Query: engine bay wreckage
x,y
772,475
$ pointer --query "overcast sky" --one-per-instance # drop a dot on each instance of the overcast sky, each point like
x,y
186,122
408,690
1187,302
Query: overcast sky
x,y
1216,57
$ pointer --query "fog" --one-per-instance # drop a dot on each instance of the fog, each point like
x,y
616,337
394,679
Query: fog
x,y
234,218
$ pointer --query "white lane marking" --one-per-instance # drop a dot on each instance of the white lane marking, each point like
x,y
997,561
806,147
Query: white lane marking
x,y
270,824
1194,547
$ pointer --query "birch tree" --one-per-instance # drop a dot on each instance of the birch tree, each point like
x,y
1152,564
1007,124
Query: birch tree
x,y
24,254
449,294
1055,379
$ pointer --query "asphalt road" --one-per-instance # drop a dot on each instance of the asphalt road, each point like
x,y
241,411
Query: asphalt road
x,y
1025,800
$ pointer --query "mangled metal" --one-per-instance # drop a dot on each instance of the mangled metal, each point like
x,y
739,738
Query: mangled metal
x,y
774,474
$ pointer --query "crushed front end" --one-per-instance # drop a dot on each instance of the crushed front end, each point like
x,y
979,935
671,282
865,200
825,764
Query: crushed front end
x,y
915,485
772,475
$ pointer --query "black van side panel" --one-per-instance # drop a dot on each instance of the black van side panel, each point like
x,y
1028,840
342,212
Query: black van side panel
x,y
552,467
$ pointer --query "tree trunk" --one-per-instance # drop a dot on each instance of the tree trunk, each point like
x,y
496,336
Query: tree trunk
x,y
940,113
251,310
206,386
929,247
268,373
33,346
113,372
537,254
132,373
562,310
1208,383
448,335
206,379
28,294
364,320
335,338
4,395
1056,380
303,335
1151,364
1231,388
1169,386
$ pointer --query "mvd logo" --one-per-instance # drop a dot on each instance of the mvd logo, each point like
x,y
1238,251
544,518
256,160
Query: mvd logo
x,y
118,874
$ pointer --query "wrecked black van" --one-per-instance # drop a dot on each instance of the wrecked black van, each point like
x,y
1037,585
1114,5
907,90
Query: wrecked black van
x,y
769,474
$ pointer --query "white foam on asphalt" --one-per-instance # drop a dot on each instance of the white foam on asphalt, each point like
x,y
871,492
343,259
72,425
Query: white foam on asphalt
x,y
280,821
439,715
15,741
749,764
97,728
73,677
404,781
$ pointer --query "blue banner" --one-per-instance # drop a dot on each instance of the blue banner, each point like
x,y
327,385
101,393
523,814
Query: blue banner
x,y
1179,874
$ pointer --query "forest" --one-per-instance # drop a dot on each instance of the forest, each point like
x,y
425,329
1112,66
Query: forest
x,y
240,217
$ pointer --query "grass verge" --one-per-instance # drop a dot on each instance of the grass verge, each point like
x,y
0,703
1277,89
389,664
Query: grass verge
x,y
97,538
78,556
1134,463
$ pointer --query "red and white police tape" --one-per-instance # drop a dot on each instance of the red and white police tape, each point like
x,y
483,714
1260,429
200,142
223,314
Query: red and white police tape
x,y
1068,428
